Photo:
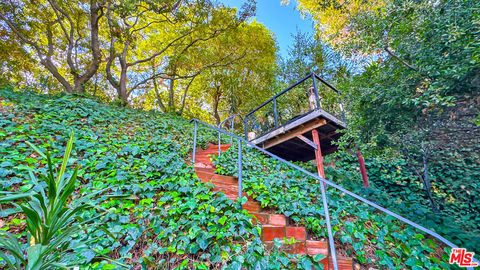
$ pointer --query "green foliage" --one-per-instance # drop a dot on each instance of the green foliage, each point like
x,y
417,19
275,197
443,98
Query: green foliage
x,y
157,210
369,236
394,185
53,220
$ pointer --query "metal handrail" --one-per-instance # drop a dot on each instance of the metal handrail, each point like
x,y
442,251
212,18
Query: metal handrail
x,y
328,183
314,77
232,127
290,88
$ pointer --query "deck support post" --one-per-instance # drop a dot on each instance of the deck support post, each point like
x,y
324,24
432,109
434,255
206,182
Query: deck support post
x,y
363,169
323,189
318,153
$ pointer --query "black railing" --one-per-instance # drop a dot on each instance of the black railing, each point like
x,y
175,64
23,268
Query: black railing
x,y
324,184
299,99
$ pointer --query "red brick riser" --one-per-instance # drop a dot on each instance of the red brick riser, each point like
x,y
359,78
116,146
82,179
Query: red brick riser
x,y
273,225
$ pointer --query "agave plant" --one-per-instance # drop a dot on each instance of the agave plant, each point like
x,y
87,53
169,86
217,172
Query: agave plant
x,y
52,220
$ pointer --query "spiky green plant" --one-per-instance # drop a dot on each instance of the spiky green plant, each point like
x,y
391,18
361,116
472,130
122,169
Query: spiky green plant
x,y
52,220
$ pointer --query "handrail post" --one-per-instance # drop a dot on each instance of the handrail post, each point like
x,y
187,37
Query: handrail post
x,y
315,90
331,242
240,187
195,126
219,142
342,111
275,112
232,128
245,128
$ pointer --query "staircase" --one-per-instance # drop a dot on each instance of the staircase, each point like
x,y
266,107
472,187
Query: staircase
x,y
273,225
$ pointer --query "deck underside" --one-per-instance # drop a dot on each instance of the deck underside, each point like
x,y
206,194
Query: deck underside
x,y
291,140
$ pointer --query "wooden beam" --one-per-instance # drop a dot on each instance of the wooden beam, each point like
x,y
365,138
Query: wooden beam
x,y
307,141
318,154
295,132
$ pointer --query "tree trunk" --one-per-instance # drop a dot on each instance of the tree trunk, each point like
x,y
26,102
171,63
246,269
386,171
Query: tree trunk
x,y
122,89
96,12
171,95
216,101
426,183
48,64
158,97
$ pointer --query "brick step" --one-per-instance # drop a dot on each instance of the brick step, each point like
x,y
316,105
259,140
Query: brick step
x,y
343,263
207,170
223,147
292,248
316,247
203,165
216,178
298,233
303,247
205,155
270,232
203,159
207,152
252,206
269,219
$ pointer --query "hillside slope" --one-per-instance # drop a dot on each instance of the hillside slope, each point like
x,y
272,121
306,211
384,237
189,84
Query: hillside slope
x,y
170,219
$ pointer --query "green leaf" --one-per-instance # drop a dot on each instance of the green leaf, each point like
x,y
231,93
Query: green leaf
x,y
222,220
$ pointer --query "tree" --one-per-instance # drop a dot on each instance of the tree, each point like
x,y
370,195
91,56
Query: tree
x,y
149,43
436,40
63,35
241,85
426,71
306,55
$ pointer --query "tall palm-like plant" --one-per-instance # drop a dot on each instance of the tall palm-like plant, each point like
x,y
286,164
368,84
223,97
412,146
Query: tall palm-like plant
x,y
51,219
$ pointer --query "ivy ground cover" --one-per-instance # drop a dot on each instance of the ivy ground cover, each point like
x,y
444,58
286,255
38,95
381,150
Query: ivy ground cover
x,y
158,215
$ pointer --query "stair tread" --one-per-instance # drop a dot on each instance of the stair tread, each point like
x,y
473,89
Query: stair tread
x,y
299,233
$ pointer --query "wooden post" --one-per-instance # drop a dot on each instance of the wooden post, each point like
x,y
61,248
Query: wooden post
x,y
318,153
363,169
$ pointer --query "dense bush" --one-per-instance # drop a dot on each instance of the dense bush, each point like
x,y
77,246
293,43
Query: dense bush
x,y
395,186
158,214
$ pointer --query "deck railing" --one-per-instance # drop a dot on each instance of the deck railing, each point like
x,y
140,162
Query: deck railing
x,y
324,184
306,95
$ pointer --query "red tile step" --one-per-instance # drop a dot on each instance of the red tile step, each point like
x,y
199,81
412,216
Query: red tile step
x,y
343,263
292,248
298,233
316,247
275,219
270,232
252,206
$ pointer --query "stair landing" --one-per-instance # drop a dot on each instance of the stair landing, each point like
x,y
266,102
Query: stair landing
x,y
274,226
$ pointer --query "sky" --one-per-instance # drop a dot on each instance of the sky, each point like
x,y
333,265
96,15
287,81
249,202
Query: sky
x,y
282,20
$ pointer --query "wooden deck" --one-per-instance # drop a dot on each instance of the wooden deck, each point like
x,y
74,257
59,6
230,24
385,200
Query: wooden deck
x,y
292,141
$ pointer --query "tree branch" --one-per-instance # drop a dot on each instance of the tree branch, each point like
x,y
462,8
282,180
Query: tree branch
x,y
405,63
159,52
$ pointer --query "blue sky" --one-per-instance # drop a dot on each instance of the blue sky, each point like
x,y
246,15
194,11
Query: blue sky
x,y
282,20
